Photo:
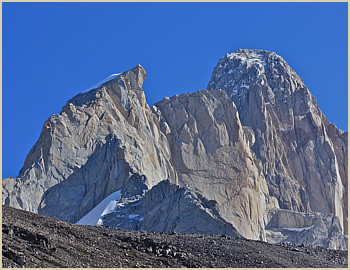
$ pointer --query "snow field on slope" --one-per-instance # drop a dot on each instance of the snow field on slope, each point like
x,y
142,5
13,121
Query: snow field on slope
x,y
103,208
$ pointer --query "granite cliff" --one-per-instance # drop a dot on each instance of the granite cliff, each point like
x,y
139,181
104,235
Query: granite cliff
x,y
104,140
253,156
212,156
304,156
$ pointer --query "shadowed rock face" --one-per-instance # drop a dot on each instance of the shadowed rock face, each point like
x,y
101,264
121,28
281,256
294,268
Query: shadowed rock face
x,y
314,228
100,140
304,157
257,159
158,210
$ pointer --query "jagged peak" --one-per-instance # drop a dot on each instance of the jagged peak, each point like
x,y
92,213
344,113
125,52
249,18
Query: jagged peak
x,y
135,76
102,82
138,73
252,57
248,52
127,83
239,70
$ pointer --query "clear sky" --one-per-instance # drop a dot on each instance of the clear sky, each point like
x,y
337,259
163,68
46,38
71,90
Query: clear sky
x,y
53,51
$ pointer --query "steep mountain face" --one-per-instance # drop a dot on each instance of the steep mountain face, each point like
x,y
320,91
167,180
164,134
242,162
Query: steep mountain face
x,y
212,156
102,141
256,159
304,157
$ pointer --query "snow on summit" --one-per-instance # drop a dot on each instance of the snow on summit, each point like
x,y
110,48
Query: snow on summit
x,y
107,79
248,56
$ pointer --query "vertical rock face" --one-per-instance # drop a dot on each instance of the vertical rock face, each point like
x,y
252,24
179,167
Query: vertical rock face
x,y
304,157
211,154
100,140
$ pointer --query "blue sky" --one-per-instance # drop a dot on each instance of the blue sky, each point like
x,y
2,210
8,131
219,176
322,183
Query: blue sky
x,y
53,51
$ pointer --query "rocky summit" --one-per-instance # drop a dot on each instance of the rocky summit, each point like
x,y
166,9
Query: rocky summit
x,y
104,140
304,157
251,157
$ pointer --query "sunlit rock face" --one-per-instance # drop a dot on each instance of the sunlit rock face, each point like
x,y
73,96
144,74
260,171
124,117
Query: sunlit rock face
x,y
102,141
212,156
304,157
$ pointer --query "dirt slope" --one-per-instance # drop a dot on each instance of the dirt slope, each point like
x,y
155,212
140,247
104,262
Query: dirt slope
x,y
31,240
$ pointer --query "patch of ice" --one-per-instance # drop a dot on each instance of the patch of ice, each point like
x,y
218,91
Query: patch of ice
x,y
285,128
275,70
109,78
241,88
103,208
120,205
243,85
252,58
298,229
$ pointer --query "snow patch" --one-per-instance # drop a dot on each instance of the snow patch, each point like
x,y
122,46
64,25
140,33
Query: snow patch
x,y
133,216
243,85
298,229
285,128
109,78
238,88
103,208
251,59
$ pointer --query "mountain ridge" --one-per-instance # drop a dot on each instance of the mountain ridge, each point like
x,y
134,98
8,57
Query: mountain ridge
x,y
246,144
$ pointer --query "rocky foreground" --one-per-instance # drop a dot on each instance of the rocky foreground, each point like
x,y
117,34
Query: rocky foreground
x,y
31,240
